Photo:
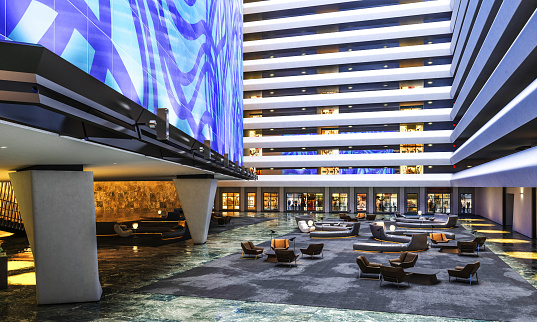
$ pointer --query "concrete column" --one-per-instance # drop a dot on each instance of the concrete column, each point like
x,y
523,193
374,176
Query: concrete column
x,y
281,199
401,208
327,200
422,200
258,199
455,201
370,201
351,202
242,199
196,194
58,211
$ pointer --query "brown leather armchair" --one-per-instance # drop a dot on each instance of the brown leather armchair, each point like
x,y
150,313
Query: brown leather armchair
x,y
284,256
279,244
480,242
313,249
365,267
406,260
393,275
438,238
467,247
248,248
467,271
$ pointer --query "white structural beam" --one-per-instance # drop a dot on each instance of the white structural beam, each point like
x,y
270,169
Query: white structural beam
x,y
355,139
347,180
358,77
348,57
349,160
366,97
345,119
352,36
340,17
277,5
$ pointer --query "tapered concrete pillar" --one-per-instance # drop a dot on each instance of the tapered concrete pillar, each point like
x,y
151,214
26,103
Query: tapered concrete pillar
x,y
196,194
58,211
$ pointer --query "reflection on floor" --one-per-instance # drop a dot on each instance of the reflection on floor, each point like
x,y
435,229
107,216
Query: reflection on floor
x,y
126,268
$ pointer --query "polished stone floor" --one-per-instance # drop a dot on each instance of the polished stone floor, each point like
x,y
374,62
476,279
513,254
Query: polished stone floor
x,y
124,269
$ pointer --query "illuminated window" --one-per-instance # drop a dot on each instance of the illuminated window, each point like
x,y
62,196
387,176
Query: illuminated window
x,y
251,200
230,201
339,202
270,201
439,203
386,202
411,202
466,203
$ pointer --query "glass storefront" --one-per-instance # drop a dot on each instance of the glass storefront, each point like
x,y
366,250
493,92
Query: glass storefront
x,y
251,200
386,202
339,202
304,202
270,201
230,201
466,203
411,202
361,202
439,203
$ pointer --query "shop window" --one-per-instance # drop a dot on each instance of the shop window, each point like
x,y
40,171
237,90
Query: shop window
x,y
466,203
304,202
411,202
439,203
330,171
361,202
230,201
270,201
315,201
339,202
411,169
255,152
251,200
386,202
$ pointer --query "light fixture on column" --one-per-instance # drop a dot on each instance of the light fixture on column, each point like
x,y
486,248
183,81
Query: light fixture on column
x,y
135,227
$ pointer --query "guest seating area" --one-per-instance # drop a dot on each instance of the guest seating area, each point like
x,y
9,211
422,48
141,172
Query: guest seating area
x,y
313,249
450,222
418,242
406,260
248,248
346,233
466,272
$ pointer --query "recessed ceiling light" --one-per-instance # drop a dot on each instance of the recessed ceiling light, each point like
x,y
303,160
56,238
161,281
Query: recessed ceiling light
x,y
350,125
385,104
430,42
350,68
115,162
3,147
350,106
303,168
272,110
271,75
385,46
429,82
385,85
303,72
272,129
271,93
271,149
303,54
385,66
385,124
303,108
303,148
430,123
303,128
350,167
271,168
271,56
430,102
350,49
429,62
303,91
429,144
350,87
350,147
469,166
385,146
430,167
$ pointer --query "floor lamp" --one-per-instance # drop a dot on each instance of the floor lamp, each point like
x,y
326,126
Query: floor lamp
x,y
271,232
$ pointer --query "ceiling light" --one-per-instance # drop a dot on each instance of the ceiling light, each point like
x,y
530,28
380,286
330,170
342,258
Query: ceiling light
x,y
271,168
3,147
385,104
271,75
385,146
115,162
303,108
350,167
303,54
350,125
430,102
429,62
385,85
271,93
350,87
429,144
272,129
350,49
272,110
303,168
303,72
385,66
469,166
271,149
385,46
350,147
303,148
271,56
350,68
385,124
429,82
430,42
430,123
430,167
303,128
303,91
350,106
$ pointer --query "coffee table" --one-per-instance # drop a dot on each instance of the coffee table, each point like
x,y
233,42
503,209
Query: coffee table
x,y
449,247
271,256
425,276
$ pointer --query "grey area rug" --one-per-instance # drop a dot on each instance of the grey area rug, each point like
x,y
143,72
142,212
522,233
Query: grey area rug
x,y
501,293
237,222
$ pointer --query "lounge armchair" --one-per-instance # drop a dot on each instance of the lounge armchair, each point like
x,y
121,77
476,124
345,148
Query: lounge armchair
x,y
279,244
467,271
313,249
248,248
467,247
285,256
347,218
438,238
360,215
365,267
394,275
480,242
122,230
370,217
406,260
303,226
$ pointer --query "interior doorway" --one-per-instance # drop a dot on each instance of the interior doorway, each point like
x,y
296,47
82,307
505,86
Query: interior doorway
x,y
509,206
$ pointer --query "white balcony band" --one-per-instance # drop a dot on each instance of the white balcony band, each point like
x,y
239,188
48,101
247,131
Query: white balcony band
x,y
365,97
348,57
347,180
349,160
340,17
358,77
345,119
354,139
345,37
277,5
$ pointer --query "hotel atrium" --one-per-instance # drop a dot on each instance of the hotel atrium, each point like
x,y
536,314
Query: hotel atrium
x,y
143,144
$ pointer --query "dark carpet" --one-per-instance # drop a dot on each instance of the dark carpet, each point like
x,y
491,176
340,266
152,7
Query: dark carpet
x,y
501,293
237,222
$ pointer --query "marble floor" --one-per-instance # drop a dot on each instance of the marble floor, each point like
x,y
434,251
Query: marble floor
x,y
124,269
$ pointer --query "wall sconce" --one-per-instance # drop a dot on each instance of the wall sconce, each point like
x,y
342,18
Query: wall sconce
x,y
135,226
521,191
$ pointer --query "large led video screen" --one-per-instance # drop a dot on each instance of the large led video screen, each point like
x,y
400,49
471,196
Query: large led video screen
x,y
184,55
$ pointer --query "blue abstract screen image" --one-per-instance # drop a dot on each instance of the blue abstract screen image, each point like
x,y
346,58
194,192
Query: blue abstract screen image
x,y
184,55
